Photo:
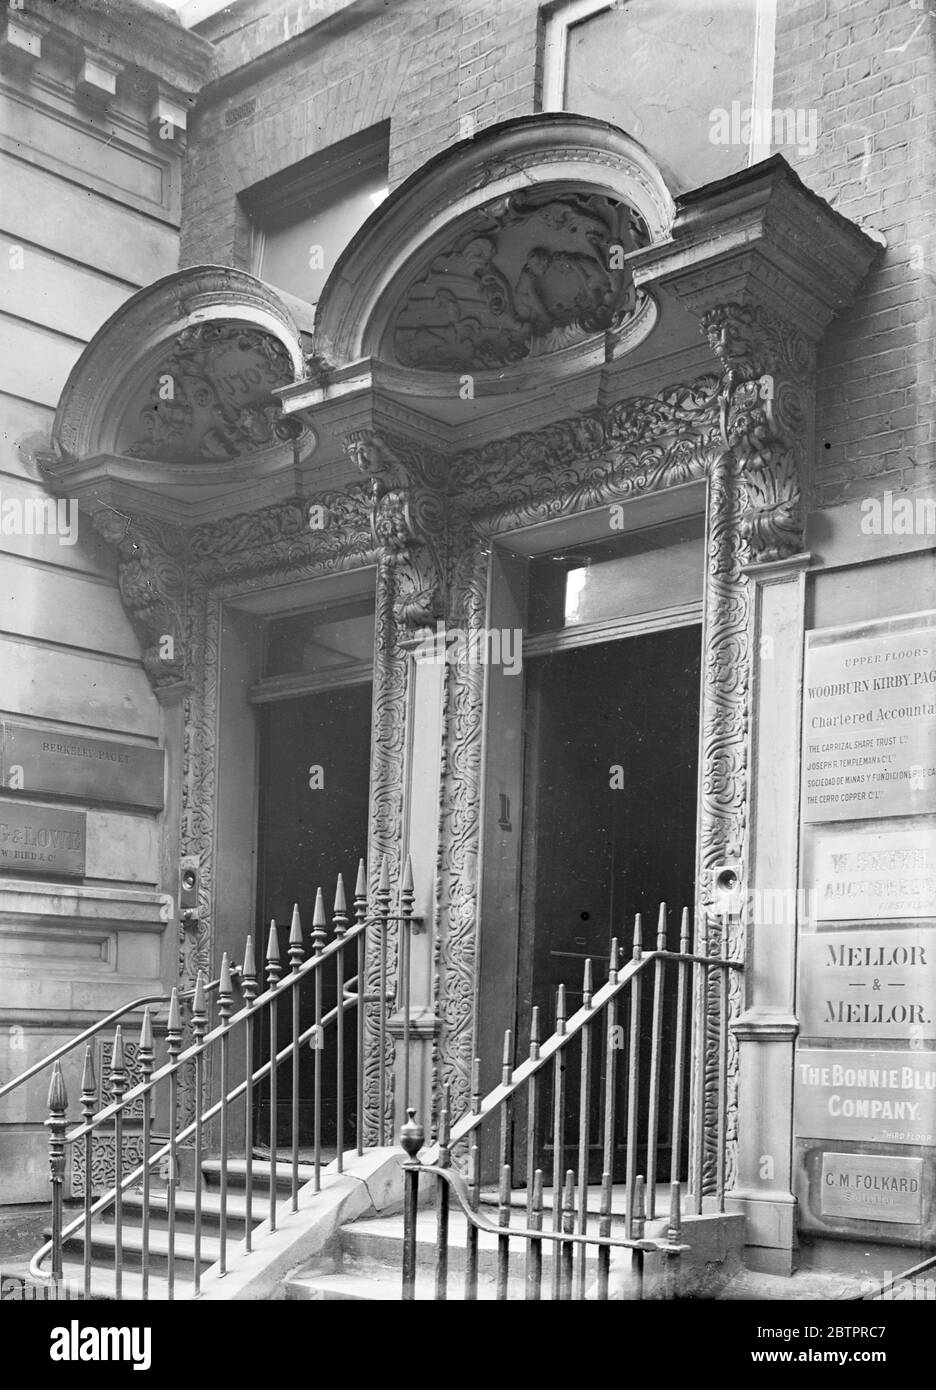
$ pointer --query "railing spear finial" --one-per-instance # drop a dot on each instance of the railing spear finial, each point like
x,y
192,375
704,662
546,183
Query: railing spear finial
x,y
674,1229
476,1086
117,1063
587,990
88,1085
295,948
360,894
225,990
56,1125
273,967
199,1008
684,932
340,910
661,928
145,1045
638,936
561,1010
319,924
534,1033
249,984
638,1222
613,965
174,1026
507,1064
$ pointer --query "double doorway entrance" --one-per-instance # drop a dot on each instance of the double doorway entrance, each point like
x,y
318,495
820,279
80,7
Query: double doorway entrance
x,y
590,796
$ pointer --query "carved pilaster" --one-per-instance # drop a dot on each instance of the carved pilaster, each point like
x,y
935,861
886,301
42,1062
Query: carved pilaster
x,y
766,418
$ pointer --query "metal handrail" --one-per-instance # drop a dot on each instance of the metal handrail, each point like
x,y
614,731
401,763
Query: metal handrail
x,y
648,1244
579,1020
62,1051
106,1199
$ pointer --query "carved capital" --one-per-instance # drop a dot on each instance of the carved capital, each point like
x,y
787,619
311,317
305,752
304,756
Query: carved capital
x,y
153,586
408,519
766,414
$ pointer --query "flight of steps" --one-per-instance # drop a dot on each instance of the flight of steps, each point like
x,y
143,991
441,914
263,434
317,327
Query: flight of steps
x,y
103,1232
368,1262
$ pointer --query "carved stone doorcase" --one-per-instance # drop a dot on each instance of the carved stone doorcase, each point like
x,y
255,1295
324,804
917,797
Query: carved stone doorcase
x,y
529,330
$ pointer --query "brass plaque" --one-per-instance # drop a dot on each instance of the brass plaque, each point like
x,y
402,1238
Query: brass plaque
x,y
865,874
94,769
869,726
877,1097
42,840
868,984
872,1187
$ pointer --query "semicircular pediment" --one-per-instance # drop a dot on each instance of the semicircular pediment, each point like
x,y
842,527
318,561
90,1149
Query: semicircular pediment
x,y
507,247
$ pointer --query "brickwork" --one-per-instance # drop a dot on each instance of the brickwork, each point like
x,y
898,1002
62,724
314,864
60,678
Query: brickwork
x,y
867,68
437,72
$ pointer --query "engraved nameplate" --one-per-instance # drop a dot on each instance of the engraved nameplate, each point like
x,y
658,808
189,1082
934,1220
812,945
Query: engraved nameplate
x,y
872,1187
42,840
94,769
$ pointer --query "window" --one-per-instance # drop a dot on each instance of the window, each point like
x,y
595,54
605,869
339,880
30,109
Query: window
x,y
664,74
303,219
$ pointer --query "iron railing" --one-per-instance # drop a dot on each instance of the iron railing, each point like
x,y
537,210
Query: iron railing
x,y
660,1026
228,1121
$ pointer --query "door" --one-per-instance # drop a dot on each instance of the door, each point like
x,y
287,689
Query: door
x,y
315,769
610,780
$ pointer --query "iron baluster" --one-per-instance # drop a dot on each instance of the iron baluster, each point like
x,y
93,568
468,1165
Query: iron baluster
x,y
296,956
56,1124
319,937
442,1200
146,1054
534,1279
249,989
503,1241
532,1125
225,1008
680,1050
383,913
583,1146
173,1048
639,1224
406,946
360,917
88,1104
656,1032
604,1229
567,1248
558,1080
722,975
633,1064
340,927
199,1028
411,1139
273,972
474,1188
505,1110
118,1084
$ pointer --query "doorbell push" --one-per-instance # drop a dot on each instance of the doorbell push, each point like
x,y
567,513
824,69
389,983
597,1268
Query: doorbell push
x,y
188,890
727,882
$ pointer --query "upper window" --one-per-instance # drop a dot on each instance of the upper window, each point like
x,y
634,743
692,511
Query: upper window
x,y
681,77
304,218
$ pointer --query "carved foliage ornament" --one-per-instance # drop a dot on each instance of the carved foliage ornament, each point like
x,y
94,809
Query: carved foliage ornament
x,y
765,419
528,274
210,400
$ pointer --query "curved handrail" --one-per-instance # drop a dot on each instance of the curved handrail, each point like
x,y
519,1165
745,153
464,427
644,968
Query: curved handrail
x,y
94,1028
460,1188
579,1020
104,1201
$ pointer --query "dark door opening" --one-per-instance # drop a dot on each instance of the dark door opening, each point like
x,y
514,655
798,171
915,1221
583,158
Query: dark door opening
x,y
610,784
308,834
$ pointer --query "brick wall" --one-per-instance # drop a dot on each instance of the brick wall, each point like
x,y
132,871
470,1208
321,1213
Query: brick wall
x,y
424,67
867,68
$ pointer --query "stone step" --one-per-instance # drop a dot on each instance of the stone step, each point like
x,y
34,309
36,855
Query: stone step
x,y
237,1174
104,1241
103,1287
185,1209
